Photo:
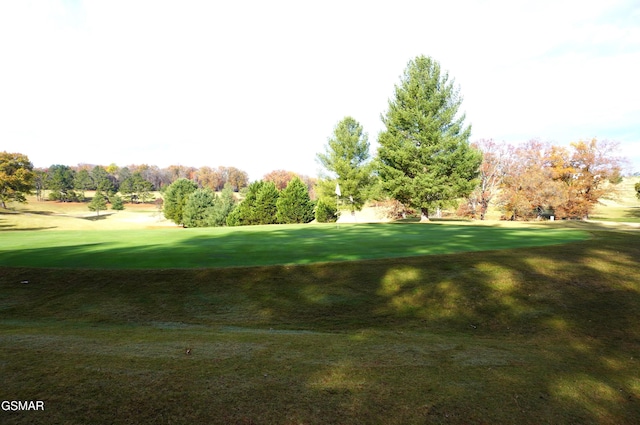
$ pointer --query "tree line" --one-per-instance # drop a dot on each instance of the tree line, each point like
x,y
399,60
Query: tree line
x,y
425,162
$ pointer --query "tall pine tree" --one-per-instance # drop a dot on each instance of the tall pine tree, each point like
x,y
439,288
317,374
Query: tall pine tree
x,y
425,160
346,157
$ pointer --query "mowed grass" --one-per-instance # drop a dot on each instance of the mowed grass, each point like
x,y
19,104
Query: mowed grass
x,y
262,245
435,332
530,335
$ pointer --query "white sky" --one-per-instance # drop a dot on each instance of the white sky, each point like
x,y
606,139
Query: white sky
x,y
260,85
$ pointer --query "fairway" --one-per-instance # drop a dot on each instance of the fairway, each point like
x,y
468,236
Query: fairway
x,y
263,245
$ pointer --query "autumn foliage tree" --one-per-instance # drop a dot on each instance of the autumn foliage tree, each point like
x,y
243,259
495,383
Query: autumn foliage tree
x,y
280,178
490,175
541,179
16,177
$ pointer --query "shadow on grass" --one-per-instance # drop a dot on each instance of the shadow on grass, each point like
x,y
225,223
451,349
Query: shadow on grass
x,y
97,217
535,335
265,245
633,212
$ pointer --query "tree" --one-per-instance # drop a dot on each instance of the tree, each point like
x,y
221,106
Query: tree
x,y
293,204
82,182
528,188
175,198
491,173
237,178
198,209
224,205
265,208
103,180
16,177
116,203
346,157
258,207
326,212
425,159
40,182
136,188
280,178
61,182
98,203
594,165
541,179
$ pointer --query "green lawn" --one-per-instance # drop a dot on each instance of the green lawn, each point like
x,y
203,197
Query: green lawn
x,y
526,335
406,323
262,245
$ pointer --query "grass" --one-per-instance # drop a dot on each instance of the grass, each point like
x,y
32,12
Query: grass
x,y
522,334
261,245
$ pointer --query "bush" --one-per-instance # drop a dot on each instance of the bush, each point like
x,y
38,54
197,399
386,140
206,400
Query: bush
x,y
326,212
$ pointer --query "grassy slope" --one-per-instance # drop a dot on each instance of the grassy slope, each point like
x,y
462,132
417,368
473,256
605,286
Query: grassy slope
x,y
535,335
624,206
538,335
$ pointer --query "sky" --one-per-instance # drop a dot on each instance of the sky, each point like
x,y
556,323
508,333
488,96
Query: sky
x,y
260,85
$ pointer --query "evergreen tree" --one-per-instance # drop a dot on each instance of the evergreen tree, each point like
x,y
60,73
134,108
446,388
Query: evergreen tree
x,y
198,209
258,207
98,203
293,204
326,212
82,181
266,210
346,157
103,180
244,214
425,160
61,182
223,206
175,197
116,203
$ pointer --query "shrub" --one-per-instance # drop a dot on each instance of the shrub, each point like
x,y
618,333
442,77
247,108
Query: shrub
x,y
326,212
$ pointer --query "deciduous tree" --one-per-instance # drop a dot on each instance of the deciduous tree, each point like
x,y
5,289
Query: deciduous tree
x,y
16,177
491,173
425,160
280,178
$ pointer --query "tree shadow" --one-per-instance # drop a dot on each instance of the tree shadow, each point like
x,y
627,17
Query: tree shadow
x,y
633,212
102,216
542,335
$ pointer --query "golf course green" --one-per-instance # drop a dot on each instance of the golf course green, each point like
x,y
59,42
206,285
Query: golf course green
x,y
263,245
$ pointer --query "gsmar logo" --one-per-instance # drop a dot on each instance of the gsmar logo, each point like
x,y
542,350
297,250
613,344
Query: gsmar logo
x,y
22,405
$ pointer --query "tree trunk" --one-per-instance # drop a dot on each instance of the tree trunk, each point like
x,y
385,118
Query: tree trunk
x,y
424,215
